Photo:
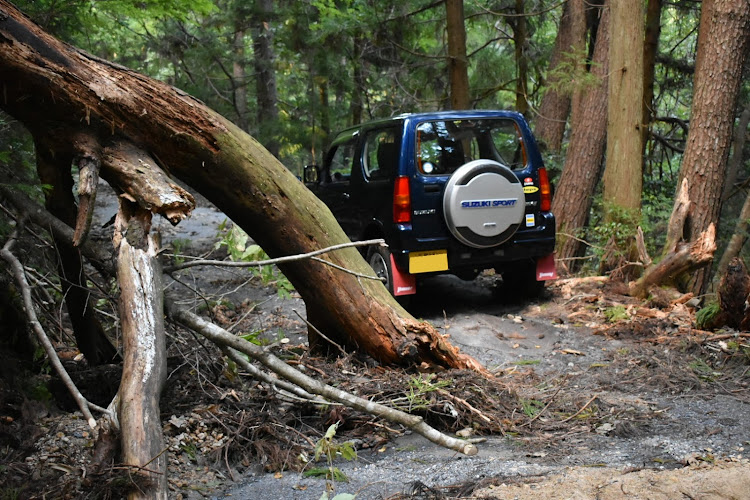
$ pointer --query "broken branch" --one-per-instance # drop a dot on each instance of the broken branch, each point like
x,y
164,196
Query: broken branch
x,y
222,337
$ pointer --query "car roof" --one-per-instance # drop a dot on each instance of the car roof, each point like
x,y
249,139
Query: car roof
x,y
435,115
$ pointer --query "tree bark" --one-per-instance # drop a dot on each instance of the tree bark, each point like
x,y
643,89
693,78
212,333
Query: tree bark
x,y
144,370
265,76
574,193
555,106
48,84
739,237
722,49
650,51
623,174
458,64
520,34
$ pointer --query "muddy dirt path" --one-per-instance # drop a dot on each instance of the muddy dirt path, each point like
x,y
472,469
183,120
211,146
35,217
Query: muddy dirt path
x,y
625,397
656,418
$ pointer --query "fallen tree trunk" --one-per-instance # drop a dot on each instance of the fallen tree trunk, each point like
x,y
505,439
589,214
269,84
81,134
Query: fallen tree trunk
x,y
49,85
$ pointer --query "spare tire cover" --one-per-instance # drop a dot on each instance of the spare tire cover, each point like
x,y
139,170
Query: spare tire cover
x,y
483,204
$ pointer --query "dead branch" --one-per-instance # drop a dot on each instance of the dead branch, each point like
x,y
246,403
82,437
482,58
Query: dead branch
x,y
224,338
89,162
676,226
49,349
135,174
279,260
687,257
144,348
275,383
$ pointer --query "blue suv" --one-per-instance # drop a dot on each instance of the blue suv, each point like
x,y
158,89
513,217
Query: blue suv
x,y
450,192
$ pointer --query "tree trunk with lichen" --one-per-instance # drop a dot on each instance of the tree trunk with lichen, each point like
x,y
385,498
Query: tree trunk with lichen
x,y
51,86
144,371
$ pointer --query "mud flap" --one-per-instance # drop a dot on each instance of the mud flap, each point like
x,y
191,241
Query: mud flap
x,y
403,283
545,268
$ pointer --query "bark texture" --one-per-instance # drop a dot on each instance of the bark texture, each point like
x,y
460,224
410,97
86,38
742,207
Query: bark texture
x,y
623,178
144,370
457,62
582,169
739,237
50,85
549,125
722,50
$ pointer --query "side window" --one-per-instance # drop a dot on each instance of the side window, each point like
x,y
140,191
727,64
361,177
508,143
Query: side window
x,y
380,157
340,168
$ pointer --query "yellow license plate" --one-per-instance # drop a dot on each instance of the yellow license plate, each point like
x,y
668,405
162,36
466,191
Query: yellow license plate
x,y
428,262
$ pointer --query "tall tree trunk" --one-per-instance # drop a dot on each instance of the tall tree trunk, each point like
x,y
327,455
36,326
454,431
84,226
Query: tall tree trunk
x,y
722,48
50,85
265,76
575,191
739,237
623,174
650,50
520,34
239,76
357,100
458,64
549,125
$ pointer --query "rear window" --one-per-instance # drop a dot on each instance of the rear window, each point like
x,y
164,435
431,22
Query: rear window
x,y
444,145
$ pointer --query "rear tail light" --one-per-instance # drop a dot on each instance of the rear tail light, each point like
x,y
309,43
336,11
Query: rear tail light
x,y
545,191
401,201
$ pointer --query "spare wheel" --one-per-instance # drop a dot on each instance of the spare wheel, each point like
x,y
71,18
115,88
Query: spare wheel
x,y
483,204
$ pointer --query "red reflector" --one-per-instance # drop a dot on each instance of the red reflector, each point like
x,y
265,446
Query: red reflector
x,y
545,191
401,201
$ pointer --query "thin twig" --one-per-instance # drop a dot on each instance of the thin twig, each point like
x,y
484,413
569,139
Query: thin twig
x,y
581,410
278,260
551,399
49,349
310,325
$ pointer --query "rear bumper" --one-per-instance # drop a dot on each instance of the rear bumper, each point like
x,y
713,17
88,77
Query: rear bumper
x,y
527,243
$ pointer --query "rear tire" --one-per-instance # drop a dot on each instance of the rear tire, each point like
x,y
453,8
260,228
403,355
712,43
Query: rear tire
x,y
379,259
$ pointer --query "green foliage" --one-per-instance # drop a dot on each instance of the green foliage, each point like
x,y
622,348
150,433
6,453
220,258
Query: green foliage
x,y
704,371
531,407
616,314
419,387
706,316
573,74
328,448
236,241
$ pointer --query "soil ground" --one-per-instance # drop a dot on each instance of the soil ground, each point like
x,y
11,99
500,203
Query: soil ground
x,y
596,395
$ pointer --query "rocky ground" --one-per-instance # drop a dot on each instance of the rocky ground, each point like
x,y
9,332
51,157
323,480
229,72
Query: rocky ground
x,y
595,395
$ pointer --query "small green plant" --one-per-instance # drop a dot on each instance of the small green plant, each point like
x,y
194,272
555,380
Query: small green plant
x,y
703,370
616,313
178,248
419,387
327,447
191,450
236,242
706,316
531,407
526,362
